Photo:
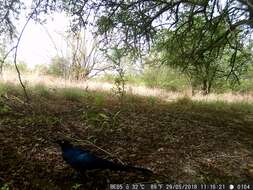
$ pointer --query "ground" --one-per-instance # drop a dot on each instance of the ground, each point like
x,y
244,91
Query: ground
x,y
181,141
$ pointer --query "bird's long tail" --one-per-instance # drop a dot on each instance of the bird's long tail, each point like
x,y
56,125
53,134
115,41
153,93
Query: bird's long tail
x,y
143,170
122,167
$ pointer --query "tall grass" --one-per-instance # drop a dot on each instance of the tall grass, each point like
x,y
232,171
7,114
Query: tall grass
x,y
8,87
44,86
162,77
73,94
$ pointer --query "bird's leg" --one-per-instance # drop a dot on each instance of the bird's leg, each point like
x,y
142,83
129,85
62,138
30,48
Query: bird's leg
x,y
107,178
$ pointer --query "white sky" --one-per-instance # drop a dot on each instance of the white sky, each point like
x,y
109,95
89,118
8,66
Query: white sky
x,y
36,46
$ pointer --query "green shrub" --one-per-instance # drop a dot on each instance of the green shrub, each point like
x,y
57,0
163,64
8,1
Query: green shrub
x,y
73,94
41,90
164,77
58,66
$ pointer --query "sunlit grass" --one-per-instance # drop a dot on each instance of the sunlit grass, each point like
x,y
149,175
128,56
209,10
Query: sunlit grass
x,y
42,85
8,87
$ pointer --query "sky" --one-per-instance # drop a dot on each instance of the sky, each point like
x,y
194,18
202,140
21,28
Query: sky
x,y
38,43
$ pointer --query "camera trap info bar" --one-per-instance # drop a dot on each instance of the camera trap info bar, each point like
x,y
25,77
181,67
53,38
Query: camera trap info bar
x,y
164,186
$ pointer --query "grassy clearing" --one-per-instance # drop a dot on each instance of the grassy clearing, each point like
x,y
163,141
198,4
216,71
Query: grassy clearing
x,y
43,83
182,141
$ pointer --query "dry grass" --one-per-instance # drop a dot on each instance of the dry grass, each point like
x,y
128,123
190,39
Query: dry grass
x,y
54,82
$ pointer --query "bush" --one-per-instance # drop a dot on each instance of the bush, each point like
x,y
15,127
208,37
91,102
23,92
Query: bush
x,y
22,66
164,77
58,66
41,69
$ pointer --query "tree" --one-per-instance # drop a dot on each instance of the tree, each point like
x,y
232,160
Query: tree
x,y
136,20
58,66
189,51
86,59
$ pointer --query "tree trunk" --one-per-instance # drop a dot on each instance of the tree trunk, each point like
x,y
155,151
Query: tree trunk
x,y
1,71
205,87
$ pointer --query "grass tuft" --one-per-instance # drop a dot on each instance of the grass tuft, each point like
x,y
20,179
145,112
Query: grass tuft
x,y
6,88
41,90
72,94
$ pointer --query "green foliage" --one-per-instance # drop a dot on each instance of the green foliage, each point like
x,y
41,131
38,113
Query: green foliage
x,y
222,105
205,27
185,101
41,90
164,77
246,83
119,89
5,187
58,66
203,62
101,119
152,100
76,186
97,118
116,55
105,24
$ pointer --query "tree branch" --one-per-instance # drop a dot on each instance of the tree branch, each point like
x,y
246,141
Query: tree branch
x,y
16,49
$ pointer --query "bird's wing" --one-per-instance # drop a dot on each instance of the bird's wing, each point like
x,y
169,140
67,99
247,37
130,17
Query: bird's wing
x,y
87,161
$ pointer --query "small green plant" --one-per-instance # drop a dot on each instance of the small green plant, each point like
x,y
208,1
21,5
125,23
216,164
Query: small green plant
x,y
76,186
120,86
101,119
185,101
104,120
115,119
116,56
4,108
152,100
5,187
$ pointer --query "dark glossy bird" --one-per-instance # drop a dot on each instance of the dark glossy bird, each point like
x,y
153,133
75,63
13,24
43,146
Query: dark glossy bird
x,y
82,160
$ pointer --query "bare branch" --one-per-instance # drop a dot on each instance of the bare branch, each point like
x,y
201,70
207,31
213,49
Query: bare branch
x,y
16,49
